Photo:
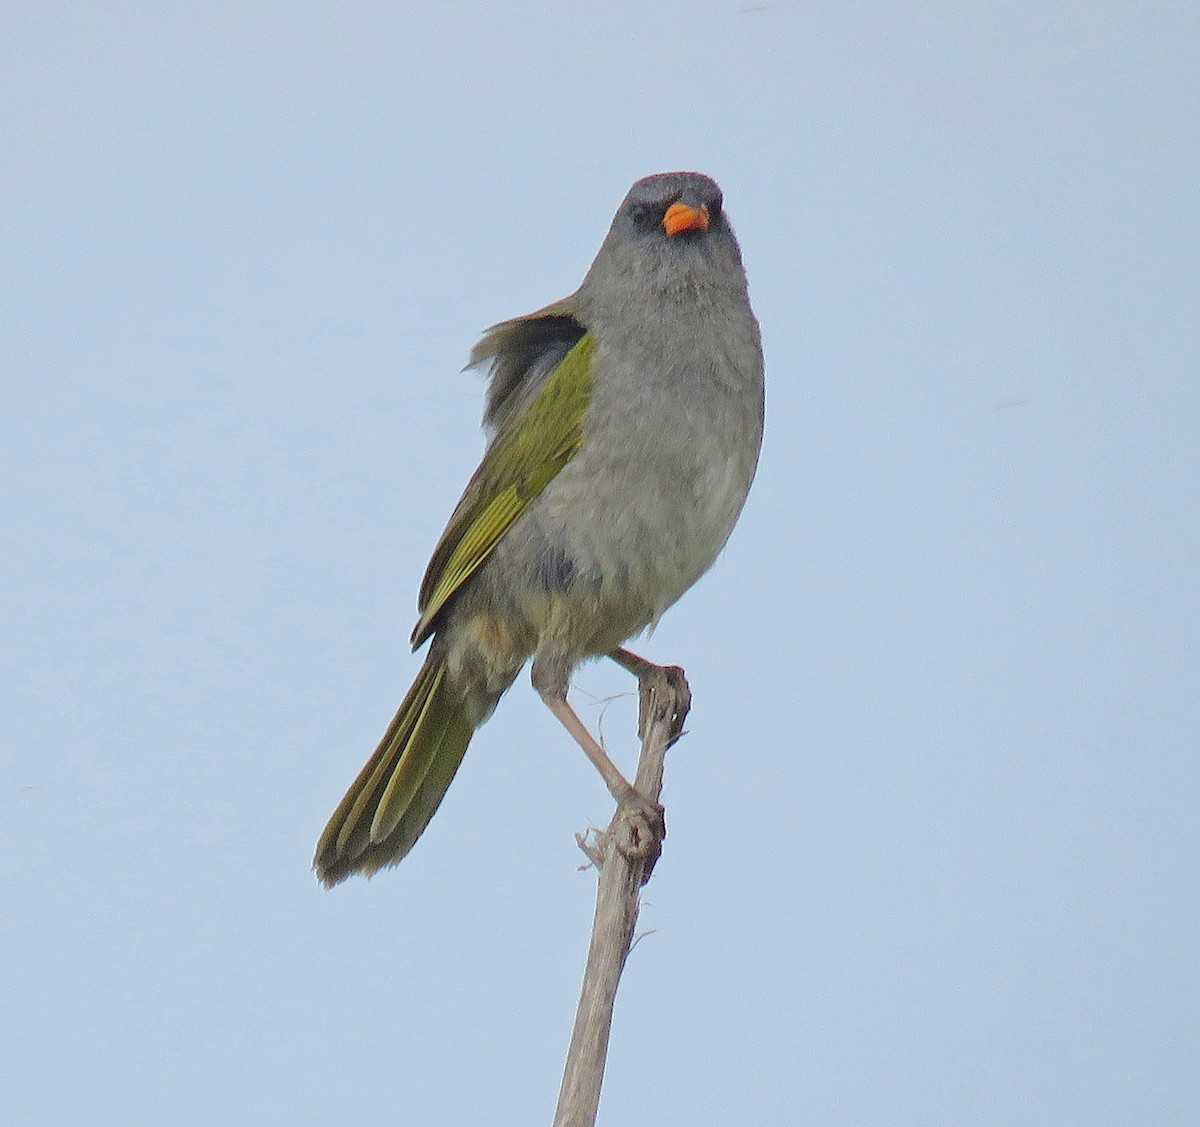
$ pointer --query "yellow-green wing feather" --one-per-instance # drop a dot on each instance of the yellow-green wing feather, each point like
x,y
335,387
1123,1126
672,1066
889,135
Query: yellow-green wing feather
x,y
526,454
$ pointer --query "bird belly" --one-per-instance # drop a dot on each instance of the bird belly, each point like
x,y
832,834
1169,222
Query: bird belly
x,y
618,543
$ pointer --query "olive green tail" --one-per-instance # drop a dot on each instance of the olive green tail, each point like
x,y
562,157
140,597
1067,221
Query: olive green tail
x,y
396,793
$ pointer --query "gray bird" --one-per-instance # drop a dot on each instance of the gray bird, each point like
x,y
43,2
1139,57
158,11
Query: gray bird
x,y
625,423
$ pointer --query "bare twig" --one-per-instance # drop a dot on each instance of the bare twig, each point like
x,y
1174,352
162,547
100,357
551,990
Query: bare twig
x,y
625,854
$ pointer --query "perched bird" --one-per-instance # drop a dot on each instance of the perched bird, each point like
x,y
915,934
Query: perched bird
x,y
625,423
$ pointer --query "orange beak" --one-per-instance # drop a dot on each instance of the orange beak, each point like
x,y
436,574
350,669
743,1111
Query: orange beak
x,y
681,217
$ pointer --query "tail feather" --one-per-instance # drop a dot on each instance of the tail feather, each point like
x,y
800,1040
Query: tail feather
x,y
403,755
397,792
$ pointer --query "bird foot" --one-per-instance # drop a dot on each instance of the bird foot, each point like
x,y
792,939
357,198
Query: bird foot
x,y
639,829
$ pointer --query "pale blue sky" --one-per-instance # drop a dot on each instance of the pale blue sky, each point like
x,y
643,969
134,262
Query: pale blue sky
x,y
934,840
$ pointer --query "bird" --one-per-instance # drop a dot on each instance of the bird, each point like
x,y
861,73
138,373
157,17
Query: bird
x,y
624,426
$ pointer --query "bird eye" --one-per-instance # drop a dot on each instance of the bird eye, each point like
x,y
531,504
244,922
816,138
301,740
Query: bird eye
x,y
644,214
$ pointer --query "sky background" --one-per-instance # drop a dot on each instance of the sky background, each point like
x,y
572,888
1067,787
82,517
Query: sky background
x,y
933,834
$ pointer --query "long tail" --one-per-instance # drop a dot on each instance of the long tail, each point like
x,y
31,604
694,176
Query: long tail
x,y
397,792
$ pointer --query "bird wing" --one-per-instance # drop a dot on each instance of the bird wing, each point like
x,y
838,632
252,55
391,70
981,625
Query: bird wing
x,y
530,446
522,353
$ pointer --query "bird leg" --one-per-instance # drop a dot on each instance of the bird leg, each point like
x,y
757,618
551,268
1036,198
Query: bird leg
x,y
618,786
550,674
638,666
645,824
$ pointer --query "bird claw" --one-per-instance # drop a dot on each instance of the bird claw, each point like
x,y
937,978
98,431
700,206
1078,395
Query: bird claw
x,y
641,827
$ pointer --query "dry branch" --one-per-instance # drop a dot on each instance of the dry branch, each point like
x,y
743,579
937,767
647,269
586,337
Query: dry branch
x,y
625,854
